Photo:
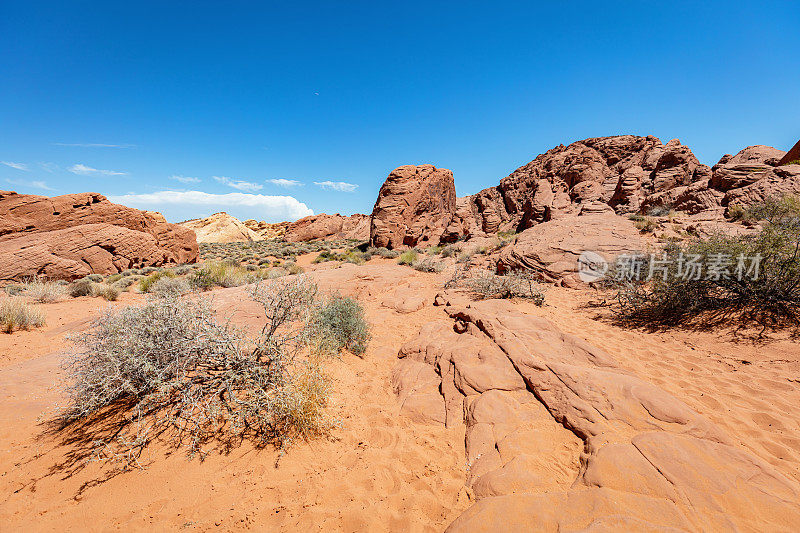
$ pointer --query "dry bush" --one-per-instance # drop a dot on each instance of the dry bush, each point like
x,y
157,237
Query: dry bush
x,y
428,265
108,292
486,285
44,291
168,285
220,274
81,287
771,298
15,313
184,377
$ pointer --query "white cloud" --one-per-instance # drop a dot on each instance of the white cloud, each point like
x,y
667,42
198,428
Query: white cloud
x,y
240,185
84,170
185,179
49,167
341,186
182,205
35,184
280,182
18,166
96,145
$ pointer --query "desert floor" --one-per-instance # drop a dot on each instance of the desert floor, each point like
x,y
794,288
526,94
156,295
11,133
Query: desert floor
x,y
378,470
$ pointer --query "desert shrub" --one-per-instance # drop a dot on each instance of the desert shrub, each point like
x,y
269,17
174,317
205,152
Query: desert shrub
x,y
182,270
407,258
125,283
44,291
645,225
449,251
81,287
766,291
109,292
658,210
167,285
146,283
386,253
222,274
339,324
428,265
434,250
97,278
130,272
465,256
487,285
293,268
13,289
15,313
178,373
113,278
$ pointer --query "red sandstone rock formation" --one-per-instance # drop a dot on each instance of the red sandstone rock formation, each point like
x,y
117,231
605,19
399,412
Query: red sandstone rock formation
x,y
414,206
532,396
74,235
328,227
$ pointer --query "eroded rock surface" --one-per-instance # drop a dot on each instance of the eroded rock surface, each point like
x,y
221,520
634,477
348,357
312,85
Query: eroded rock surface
x,y
414,207
73,235
328,227
559,437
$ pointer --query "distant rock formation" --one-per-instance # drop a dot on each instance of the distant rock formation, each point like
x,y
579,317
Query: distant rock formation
x,y
328,227
414,206
74,235
221,228
628,174
266,230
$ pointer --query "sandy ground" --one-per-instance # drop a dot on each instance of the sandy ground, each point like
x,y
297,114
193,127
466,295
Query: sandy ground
x,y
378,471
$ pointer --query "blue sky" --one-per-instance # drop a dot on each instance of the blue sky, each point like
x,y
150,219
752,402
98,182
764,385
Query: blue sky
x,y
274,110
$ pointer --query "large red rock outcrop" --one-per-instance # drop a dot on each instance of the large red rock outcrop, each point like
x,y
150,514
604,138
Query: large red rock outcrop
x,y
552,249
628,174
631,455
792,155
414,206
74,235
328,227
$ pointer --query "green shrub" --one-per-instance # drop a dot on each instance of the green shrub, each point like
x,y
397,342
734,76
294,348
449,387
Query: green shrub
x,y
222,274
339,323
407,258
770,298
16,314
434,250
146,283
113,278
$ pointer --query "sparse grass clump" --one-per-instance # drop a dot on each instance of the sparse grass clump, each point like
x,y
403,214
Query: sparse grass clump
x,y
407,258
428,265
167,285
339,324
81,287
645,224
108,292
16,314
220,274
170,370
146,283
42,291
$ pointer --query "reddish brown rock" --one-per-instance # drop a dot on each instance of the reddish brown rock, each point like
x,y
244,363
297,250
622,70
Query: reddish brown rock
x,y
631,455
792,156
414,207
552,249
328,227
74,235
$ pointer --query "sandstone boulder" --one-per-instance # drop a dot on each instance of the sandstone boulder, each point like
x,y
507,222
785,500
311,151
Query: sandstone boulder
x,y
792,156
74,235
220,227
414,207
267,230
552,249
328,227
